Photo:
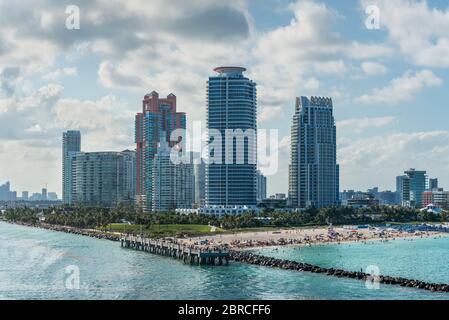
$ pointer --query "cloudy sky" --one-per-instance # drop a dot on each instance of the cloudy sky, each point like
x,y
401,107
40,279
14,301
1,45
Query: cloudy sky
x,y
389,85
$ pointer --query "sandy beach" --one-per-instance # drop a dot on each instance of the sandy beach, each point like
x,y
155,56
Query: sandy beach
x,y
302,236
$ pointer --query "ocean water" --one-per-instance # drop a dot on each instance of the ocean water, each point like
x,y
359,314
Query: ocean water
x,y
42,264
422,258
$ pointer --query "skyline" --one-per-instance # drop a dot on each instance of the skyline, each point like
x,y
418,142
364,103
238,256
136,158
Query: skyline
x,y
380,83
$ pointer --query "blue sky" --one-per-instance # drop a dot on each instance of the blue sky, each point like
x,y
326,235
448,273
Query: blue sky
x,y
389,86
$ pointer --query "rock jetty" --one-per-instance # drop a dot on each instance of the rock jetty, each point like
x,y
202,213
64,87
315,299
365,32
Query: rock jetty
x,y
254,259
79,231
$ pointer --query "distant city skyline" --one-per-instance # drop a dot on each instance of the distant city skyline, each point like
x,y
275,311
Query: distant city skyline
x,y
388,85
9,193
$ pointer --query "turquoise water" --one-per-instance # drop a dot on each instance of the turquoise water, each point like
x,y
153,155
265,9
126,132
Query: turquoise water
x,y
422,259
33,265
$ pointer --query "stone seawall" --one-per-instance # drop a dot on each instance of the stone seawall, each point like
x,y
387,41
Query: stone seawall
x,y
254,259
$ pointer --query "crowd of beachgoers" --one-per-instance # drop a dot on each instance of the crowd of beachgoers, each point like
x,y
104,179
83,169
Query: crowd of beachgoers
x,y
305,236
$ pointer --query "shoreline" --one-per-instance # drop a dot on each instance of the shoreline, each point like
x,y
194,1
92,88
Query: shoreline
x,y
306,237
245,241
368,241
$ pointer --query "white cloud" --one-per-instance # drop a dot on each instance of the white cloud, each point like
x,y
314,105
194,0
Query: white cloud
x,y
269,114
378,160
358,125
59,73
331,67
364,51
402,89
31,128
421,32
373,68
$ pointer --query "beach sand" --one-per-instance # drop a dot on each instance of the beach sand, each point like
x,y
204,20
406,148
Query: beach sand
x,y
301,236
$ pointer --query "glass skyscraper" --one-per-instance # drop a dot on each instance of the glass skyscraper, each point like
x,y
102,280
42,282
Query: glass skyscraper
x,y
410,188
71,143
231,105
313,172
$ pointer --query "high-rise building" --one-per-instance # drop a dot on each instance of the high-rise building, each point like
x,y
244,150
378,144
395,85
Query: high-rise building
x,y
6,194
410,188
13,196
261,186
399,187
173,183
185,184
437,197
231,109
313,171
387,197
52,196
431,183
130,173
200,183
36,197
5,190
163,183
71,143
99,179
157,115
44,193
25,195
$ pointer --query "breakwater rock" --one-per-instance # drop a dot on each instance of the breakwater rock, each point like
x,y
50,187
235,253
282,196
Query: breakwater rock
x,y
254,259
78,231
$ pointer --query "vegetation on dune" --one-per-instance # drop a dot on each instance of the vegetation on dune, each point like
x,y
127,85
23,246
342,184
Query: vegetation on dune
x,y
163,230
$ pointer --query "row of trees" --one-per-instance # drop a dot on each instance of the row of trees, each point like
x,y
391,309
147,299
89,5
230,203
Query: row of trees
x,y
84,217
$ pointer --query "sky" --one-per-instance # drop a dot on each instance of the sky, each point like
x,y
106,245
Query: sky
x,y
389,85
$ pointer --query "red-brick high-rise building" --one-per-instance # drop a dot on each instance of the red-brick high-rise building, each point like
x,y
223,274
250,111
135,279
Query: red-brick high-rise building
x,y
158,117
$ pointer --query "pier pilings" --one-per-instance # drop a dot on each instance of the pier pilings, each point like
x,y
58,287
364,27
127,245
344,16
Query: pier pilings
x,y
173,249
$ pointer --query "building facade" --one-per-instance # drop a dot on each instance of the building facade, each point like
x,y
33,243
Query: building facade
x,y
163,181
103,179
99,179
185,184
71,143
200,183
173,183
232,162
261,186
431,183
437,197
130,173
410,188
313,171
158,115
363,200
5,192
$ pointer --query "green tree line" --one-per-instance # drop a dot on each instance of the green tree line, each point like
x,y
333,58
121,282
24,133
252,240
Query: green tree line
x,y
85,217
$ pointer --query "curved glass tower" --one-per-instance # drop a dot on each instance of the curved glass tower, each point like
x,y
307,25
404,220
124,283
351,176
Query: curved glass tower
x,y
232,115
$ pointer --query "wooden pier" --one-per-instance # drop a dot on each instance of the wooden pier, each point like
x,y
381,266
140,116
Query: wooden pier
x,y
175,250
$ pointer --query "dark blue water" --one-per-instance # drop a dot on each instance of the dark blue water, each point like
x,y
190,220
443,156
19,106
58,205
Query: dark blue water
x,y
41,264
